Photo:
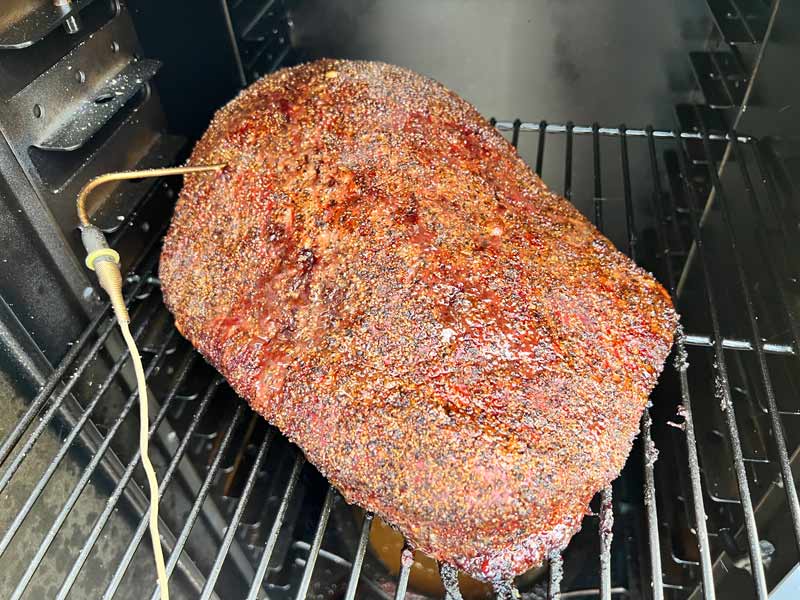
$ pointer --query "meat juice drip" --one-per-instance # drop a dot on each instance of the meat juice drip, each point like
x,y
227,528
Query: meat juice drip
x,y
506,590
650,452
390,548
720,393
407,557
449,576
681,356
650,458
606,522
556,574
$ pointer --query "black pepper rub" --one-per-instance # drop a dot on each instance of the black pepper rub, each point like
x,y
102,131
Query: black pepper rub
x,y
452,344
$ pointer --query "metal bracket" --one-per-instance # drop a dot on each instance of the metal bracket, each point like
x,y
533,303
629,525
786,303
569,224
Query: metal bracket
x,y
36,24
263,34
92,113
697,120
71,101
720,77
740,21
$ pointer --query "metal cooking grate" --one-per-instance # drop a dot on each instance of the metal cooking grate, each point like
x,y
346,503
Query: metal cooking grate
x,y
245,517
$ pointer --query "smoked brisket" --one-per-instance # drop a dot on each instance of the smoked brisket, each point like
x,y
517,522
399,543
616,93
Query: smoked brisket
x,y
454,346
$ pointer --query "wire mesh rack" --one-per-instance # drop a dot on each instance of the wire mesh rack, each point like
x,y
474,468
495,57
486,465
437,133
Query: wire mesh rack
x,y
707,503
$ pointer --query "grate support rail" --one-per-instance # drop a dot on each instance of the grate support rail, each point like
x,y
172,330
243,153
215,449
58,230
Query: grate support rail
x,y
545,127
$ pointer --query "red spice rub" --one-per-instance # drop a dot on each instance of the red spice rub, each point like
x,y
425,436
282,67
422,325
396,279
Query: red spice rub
x,y
378,273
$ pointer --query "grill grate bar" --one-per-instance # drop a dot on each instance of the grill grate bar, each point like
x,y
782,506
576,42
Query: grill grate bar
x,y
515,132
597,200
222,554
358,561
403,576
650,455
111,503
541,127
590,593
122,567
647,440
736,344
316,545
722,385
554,577
707,574
658,194
45,477
545,127
704,546
626,182
606,523
201,497
606,536
269,548
672,220
75,494
568,164
777,426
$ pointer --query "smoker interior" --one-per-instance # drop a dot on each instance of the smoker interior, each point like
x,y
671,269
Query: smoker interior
x,y
705,197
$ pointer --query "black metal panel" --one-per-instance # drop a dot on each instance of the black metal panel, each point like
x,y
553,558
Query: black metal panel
x,y
588,61
74,105
42,288
199,72
740,21
694,118
721,78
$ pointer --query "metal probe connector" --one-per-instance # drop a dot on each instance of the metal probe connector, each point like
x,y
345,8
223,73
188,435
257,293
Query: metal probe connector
x,y
104,261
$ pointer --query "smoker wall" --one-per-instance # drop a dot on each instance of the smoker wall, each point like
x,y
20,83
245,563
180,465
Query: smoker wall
x,y
612,61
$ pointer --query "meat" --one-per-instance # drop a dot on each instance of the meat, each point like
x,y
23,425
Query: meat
x,y
380,275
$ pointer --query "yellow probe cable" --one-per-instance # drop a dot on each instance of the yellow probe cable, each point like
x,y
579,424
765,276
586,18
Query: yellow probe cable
x,y
105,262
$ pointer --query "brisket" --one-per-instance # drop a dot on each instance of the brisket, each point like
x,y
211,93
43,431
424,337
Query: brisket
x,y
454,346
